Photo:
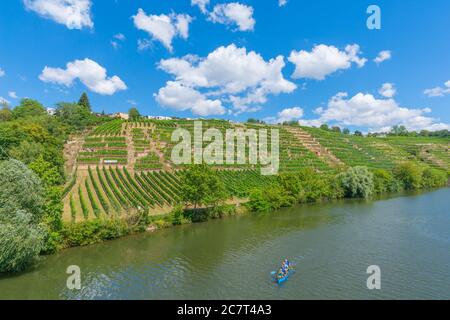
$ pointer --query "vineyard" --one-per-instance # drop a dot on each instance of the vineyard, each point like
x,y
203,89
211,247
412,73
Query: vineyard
x,y
125,166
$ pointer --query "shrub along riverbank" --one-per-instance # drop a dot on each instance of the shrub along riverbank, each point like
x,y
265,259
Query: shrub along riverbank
x,y
357,182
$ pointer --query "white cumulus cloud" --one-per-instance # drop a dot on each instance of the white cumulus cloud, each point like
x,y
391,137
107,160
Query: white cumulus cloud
x,y
364,110
233,75
74,14
2,72
89,72
438,91
282,3
286,115
163,28
324,60
383,56
13,95
201,4
180,97
388,90
234,14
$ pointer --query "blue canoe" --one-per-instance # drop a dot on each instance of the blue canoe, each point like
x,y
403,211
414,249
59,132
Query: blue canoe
x,y
285,278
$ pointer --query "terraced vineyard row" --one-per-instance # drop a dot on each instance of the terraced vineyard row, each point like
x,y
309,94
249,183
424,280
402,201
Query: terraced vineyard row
x,y
361,151
107,192
103,150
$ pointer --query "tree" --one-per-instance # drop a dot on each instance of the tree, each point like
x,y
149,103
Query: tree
x,y
29,108
134,114
336,129
75,115
398,131
346,131
409,175
324,127
201,186
22,237
5,113
357,182
269,198
27,151
358,133
48,173
21,189
291,184
384,181
84,102
21,241
433,178
257,121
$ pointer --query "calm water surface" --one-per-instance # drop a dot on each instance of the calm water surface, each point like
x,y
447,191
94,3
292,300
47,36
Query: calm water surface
x,y
332,245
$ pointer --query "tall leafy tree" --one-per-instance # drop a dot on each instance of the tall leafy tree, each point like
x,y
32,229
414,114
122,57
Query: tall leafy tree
x,y
77,116
29,108
22,237
201,186
5,113
134,114
84,101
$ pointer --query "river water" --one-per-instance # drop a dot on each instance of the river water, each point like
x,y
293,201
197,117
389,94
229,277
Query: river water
x,y
332,245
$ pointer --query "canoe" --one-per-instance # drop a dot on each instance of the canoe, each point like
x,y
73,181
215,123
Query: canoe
x,y
285,278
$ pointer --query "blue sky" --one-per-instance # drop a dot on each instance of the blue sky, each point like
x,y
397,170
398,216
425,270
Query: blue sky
x,y
306,60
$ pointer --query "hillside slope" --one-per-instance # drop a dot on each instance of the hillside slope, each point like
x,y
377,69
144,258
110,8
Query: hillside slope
x,y
125,166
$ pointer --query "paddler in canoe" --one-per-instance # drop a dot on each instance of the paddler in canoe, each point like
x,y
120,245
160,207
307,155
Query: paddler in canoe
x,y
283,273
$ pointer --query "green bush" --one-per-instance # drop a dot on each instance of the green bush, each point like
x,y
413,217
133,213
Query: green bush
x,y
271,198
21,242
357,182
409,175
222,211
318,186
177,216
20,189
22,231
94,231
433,178
384,181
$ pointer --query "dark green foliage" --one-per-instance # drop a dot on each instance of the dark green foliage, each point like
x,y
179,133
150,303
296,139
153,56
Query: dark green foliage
x,y
20,189
433,178
90,232
29,108
384,181
134,114
22,205
84,102
76,116
357,182
318,186
201,186
21,241
270,198
409,175
5,113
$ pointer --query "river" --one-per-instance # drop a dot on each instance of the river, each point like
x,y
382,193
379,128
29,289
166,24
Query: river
x,y
332,244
